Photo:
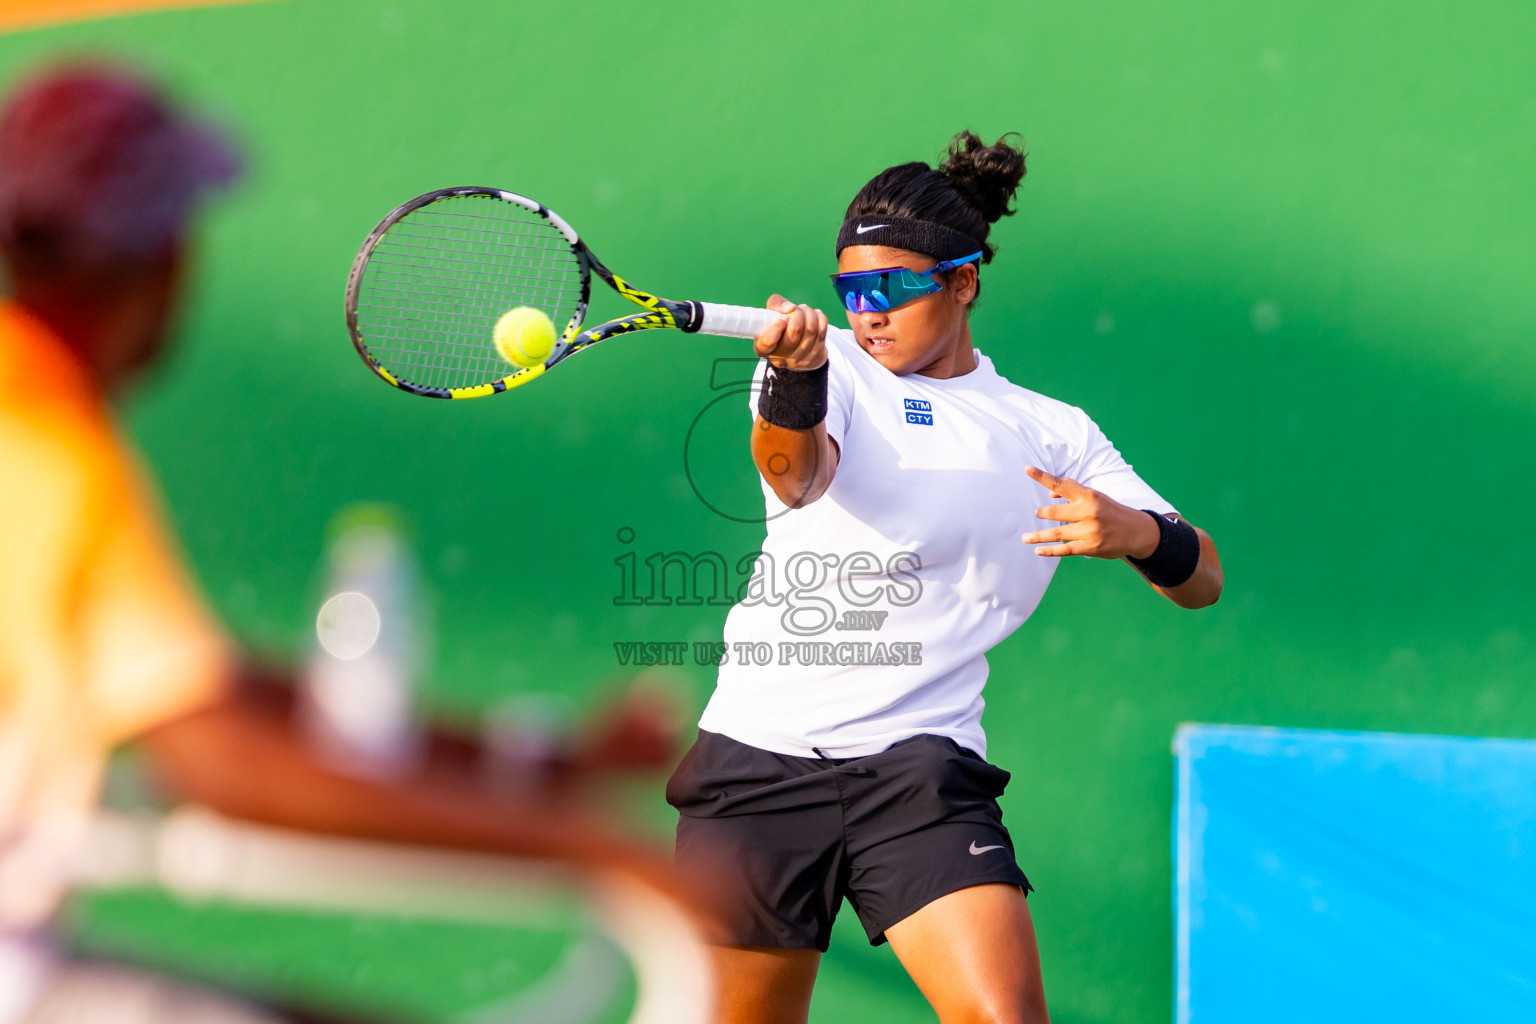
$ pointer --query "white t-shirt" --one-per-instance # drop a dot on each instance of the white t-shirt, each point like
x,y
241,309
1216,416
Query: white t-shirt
x,y
871,610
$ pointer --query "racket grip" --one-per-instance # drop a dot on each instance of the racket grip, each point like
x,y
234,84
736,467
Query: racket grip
x,y
733,321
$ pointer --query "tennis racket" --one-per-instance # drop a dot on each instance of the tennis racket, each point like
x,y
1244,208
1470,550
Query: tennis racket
x,y
198,856
433,278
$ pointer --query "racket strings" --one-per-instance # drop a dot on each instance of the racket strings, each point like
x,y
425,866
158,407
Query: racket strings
x,y
441,277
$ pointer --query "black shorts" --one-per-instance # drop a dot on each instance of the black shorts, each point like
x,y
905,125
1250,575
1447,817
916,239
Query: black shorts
x,y
893,832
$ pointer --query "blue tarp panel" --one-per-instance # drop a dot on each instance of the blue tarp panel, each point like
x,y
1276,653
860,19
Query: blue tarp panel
x,y
1324,876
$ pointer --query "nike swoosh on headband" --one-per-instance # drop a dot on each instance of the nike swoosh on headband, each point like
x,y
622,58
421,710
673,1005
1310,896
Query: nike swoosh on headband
x,y
868,227
982,849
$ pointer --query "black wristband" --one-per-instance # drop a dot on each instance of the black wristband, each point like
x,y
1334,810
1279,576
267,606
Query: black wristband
x,y
1177,554
795,399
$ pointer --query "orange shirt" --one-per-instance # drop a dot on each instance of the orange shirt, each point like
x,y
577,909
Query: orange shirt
x,y
18,14
101,633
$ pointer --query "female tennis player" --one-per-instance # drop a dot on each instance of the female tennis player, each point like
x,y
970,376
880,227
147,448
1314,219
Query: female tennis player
x,y
915,494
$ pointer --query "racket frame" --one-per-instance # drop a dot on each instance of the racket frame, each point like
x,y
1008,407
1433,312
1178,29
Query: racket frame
x,y
197,855
686,316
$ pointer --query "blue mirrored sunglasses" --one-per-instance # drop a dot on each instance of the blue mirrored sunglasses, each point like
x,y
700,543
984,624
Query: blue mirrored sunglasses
x,y
875,291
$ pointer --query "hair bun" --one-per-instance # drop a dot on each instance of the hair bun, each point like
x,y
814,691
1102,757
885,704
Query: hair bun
x,y
987,176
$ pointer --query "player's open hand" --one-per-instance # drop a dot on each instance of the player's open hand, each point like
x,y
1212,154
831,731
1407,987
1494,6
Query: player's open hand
x,y
1093,523
795,341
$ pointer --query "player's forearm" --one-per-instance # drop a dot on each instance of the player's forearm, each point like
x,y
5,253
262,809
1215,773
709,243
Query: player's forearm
x,y
1204,587
798,464
241,760
249,764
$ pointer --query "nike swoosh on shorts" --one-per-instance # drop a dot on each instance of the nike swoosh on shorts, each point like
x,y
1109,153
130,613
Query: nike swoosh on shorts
x,y
982,849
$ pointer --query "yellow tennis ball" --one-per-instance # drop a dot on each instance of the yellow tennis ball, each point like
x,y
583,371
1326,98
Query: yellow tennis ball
x,y
524,336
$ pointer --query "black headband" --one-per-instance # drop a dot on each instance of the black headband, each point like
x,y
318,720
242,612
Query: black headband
x,y
924,236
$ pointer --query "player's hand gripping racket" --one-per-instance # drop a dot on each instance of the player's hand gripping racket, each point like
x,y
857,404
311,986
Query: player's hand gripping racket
x,y
434,278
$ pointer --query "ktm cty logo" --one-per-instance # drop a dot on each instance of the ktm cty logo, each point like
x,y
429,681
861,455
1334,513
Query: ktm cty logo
x,y
918,411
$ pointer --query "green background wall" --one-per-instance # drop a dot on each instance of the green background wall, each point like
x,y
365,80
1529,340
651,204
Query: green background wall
x,y
1283,254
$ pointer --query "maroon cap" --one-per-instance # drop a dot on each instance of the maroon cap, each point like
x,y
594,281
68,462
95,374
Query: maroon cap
x,y
98,167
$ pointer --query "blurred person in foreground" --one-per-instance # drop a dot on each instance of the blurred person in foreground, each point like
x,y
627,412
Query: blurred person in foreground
x,y
103,638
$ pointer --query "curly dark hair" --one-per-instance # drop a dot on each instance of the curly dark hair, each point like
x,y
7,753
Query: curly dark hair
x,y
971,189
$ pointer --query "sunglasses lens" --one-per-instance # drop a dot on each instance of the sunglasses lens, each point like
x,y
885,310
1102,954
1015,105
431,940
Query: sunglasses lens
x,y
864,293
878,291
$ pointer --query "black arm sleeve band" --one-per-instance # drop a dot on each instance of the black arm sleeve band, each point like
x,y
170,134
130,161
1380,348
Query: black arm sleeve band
x,y
795,399
1177,554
